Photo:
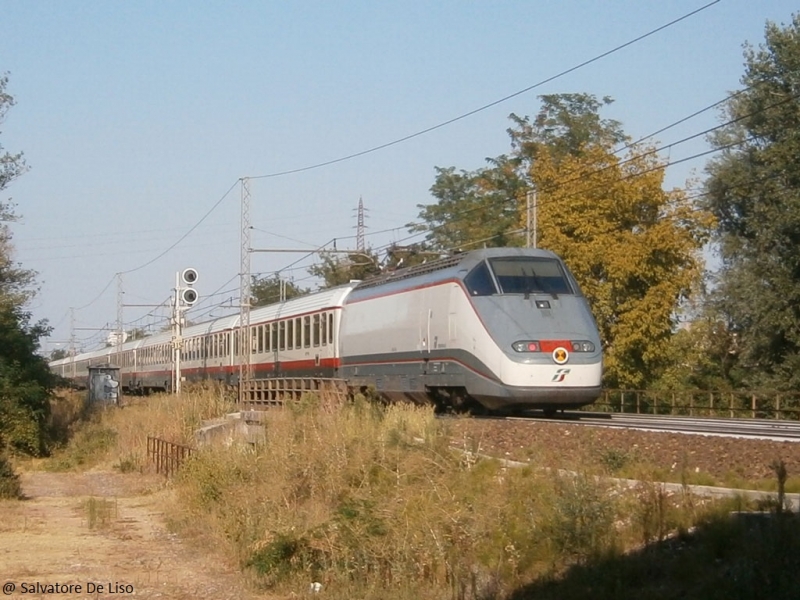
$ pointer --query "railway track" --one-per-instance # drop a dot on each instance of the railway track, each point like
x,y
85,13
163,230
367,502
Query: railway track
x,y
774,430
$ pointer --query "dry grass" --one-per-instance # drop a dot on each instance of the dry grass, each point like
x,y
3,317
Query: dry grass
x,y
374,502
113,436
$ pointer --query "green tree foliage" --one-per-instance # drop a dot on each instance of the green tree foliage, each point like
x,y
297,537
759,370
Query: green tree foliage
x,y
25,383
633,246
400,257
270,289
753,189
25,380
59,353
337,270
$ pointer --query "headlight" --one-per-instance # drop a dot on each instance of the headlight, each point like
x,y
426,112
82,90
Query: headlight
x,y
582,346
527,346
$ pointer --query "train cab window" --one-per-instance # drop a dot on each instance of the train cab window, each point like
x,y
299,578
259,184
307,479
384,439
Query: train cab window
x,y
479,281
526,274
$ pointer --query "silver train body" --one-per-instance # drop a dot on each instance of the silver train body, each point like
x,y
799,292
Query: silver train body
x,y
503,328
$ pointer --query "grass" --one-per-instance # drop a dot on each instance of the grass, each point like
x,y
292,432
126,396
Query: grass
x,y
374,502
117,437
99,512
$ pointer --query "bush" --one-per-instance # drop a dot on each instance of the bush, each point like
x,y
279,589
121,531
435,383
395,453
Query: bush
x,y
10,487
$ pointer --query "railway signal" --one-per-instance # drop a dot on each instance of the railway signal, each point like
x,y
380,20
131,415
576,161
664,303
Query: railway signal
x,y
185,297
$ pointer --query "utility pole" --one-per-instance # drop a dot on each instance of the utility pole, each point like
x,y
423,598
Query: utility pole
x,y
245,369
185,297
361,245
177,339
72,340
120,334
531,201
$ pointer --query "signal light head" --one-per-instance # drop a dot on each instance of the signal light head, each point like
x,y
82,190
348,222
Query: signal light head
x,y
189,276
189,296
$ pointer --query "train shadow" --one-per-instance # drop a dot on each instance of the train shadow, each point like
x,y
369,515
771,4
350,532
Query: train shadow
x,y
741,556
534,414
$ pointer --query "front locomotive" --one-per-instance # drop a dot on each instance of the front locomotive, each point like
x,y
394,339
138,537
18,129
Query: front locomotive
x,y
532,329
507,328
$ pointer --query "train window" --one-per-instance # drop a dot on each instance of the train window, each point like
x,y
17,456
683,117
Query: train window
x,y
527,274
273,337
282,335
330,328
306,332
298,338
323,331
290,334
315,328
479,281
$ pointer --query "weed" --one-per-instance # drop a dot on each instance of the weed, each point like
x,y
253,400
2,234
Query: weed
x,y
614,460
10,487
99,512
582,516
89,446
128,464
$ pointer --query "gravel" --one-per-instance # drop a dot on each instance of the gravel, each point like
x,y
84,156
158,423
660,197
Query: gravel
x,y
711,460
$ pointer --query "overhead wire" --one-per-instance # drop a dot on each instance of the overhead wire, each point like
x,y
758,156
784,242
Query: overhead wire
x,y
589,174
490,104
409,137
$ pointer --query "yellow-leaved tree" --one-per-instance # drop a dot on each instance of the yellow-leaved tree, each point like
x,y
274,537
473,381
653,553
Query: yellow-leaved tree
x,y
633,246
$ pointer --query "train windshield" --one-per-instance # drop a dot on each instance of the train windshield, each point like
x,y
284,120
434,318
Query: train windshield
x,y
529,275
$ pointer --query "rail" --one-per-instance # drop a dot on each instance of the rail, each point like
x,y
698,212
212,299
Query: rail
x,y
167,456
760,404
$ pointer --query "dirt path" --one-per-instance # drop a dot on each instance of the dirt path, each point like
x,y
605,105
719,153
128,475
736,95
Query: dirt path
x,y
103,528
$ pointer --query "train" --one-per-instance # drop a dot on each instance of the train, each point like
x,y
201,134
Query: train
x,y
502,329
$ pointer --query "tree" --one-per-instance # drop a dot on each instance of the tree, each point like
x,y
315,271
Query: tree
x,y
15,282
401,257
753,189
633,247
59,353
25,380
271,289
335,270
25,383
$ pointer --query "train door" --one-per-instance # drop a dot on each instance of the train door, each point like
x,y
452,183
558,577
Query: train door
x,y
424,315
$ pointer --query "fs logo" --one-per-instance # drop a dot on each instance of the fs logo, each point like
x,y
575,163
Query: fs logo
x,y
560,375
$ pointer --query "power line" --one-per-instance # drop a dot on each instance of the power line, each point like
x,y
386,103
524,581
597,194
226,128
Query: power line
x,y
490,104
411,136
589,174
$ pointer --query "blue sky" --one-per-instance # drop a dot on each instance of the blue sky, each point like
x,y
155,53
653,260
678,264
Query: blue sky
x,y
137,117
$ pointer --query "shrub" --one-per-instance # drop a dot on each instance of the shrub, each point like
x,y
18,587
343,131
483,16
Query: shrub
x,y
10,487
